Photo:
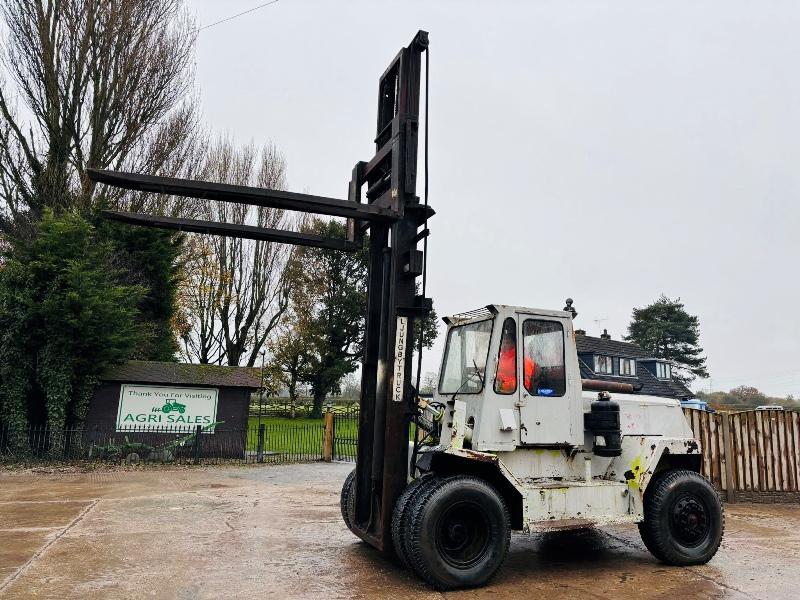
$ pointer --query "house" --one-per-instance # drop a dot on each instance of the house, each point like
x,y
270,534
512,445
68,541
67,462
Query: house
x,y
156,402
604,359
216,393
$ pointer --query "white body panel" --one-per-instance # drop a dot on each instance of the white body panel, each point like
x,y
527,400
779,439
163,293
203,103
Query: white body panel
x,y
543,419
579,504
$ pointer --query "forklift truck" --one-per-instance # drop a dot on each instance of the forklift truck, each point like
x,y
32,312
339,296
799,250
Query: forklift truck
x,y
514,439
494,456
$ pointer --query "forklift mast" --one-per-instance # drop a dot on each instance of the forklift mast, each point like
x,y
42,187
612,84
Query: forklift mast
x,y
392,307
392,213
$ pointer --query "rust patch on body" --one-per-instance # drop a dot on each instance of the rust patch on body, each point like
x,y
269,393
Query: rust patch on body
x,y
480,456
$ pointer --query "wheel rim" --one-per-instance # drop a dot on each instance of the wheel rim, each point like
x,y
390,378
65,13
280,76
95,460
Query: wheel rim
x,y
463,535
691,520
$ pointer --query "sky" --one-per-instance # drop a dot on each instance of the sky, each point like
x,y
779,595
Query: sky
x,y
604,151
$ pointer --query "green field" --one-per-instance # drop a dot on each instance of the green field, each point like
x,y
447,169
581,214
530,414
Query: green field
x,y
303,436
345,427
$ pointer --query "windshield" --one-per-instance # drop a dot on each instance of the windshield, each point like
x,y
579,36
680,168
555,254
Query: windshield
x,y
465,355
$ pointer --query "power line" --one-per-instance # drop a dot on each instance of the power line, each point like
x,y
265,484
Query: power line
x,y
238,15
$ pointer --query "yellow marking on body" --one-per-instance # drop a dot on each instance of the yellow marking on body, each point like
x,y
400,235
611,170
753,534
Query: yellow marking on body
x,y
636,469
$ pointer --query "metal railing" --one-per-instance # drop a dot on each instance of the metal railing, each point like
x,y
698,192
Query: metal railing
x,y
345,436
268,443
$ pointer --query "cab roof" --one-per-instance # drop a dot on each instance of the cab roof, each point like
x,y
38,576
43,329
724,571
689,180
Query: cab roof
x,y
492,310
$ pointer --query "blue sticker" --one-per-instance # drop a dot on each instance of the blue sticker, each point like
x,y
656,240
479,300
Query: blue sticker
x,y
545,391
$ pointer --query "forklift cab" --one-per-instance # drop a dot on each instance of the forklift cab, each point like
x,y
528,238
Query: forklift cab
x,y
516,372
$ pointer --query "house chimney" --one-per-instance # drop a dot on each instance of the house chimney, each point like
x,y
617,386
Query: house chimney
x,y
580,332
605,335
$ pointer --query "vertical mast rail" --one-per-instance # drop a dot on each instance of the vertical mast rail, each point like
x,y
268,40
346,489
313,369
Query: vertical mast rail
x,y
391,178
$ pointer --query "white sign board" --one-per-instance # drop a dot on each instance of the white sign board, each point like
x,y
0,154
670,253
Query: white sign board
x,y
152,407
401,340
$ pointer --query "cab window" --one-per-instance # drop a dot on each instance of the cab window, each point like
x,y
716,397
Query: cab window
x,y
543,369
465,356
505,381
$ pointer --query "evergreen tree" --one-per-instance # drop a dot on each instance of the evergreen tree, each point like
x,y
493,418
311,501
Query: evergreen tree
x,y
150,258
64,318
667,331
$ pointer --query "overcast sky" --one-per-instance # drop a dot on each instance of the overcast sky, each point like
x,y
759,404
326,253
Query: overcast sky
x,y
607,151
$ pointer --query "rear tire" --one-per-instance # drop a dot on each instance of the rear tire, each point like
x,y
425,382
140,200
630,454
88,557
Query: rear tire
x,y
458,532
347,500
683,519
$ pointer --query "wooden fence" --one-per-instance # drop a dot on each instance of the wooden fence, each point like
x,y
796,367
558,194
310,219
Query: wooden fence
x,y
750,454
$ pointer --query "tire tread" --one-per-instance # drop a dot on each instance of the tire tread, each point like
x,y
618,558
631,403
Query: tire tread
x,y
401,513
347,500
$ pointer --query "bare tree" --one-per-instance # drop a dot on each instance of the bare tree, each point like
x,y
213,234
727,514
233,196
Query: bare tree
x,y
237,288
101,83
350,387
429,382
198,327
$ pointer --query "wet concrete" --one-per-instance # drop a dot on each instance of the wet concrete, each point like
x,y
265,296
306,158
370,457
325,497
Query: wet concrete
x,y
275,532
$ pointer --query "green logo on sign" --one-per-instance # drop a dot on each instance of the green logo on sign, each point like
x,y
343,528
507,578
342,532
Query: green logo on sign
x,y
171,405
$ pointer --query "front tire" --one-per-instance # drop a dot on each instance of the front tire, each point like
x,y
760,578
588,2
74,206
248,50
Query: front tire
x,y
683,519
458,533
402,513
347,500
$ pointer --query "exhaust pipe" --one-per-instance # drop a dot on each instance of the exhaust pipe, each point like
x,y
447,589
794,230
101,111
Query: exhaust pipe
x,y
595,385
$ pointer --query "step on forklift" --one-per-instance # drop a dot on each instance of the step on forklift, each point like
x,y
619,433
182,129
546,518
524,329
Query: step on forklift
x,y
513,438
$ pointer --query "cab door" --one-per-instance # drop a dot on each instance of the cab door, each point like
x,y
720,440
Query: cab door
x,y
545,406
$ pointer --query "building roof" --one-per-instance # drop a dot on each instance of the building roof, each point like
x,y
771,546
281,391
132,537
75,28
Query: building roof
x,y
650,384
143,371
587,343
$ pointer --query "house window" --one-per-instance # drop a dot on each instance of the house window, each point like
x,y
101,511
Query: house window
x,y
543,372
627,366
663,370
603,364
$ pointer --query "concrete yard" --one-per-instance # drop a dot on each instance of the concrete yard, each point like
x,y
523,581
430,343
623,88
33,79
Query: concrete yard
x,y
276,532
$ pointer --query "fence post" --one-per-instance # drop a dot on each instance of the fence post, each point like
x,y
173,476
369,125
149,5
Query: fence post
x,y
730,487
260,450
327,438
197,445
